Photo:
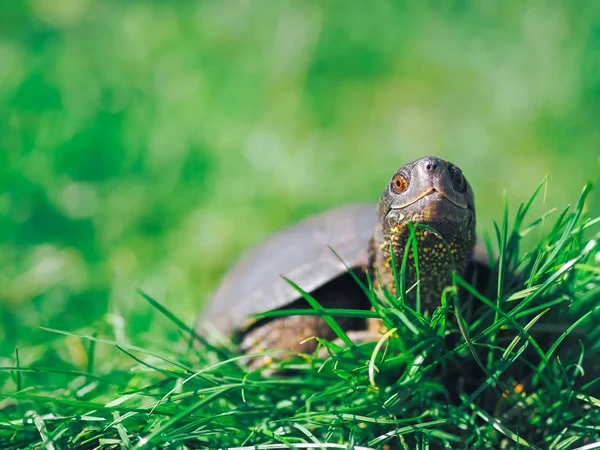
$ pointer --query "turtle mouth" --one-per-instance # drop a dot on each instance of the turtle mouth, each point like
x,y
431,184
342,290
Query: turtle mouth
x,y
430,195
430,208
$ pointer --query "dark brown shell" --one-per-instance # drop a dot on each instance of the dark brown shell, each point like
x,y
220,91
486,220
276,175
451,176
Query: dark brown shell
x,y
301,253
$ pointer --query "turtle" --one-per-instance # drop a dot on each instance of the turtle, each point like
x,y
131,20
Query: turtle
x,y
429,192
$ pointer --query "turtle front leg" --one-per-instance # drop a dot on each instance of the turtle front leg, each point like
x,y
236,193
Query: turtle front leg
x,y
290,334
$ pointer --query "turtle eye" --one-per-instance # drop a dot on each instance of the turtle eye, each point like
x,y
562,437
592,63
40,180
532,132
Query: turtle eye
x,y
399,183
458,181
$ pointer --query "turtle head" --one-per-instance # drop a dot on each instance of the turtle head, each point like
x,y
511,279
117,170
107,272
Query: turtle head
x,y
434,193
428,191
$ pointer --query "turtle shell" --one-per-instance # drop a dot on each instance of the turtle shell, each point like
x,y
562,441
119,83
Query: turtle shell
x,y
301,253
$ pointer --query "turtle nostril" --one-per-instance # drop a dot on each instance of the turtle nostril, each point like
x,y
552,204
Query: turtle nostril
x,y
431,166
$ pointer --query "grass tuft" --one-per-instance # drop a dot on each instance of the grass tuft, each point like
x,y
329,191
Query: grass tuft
x,y
515,366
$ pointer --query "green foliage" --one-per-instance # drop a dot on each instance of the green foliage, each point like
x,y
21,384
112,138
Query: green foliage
x,y
514,366
145,144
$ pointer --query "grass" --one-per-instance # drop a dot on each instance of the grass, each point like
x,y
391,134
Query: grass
x,y
513,366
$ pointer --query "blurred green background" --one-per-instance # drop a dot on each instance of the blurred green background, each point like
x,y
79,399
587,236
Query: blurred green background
x,y
145,144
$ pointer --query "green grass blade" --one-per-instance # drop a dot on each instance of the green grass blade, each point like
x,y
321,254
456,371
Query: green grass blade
x,y
326,316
